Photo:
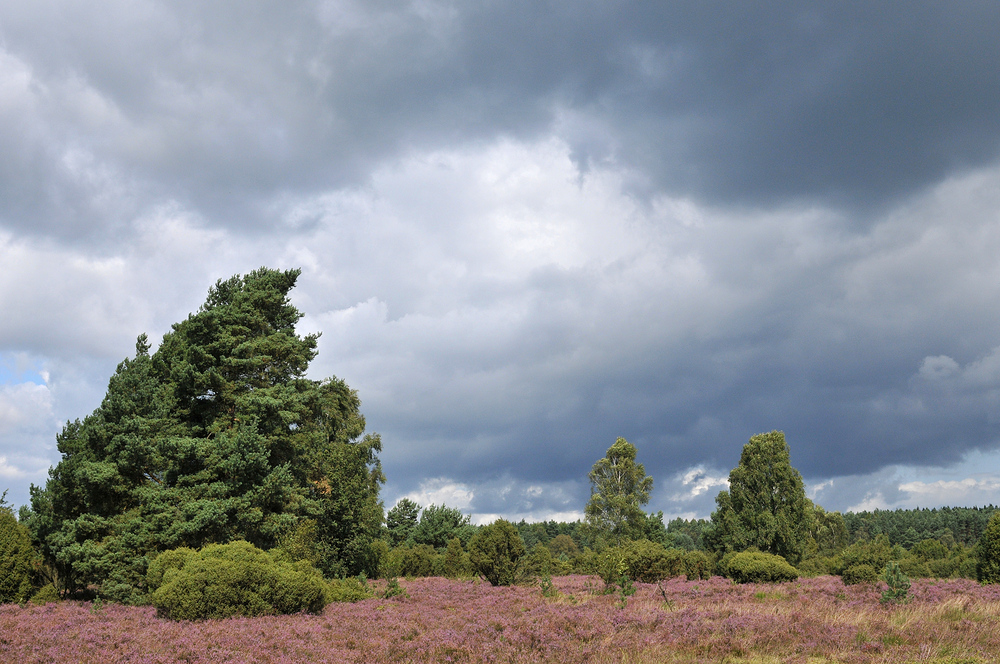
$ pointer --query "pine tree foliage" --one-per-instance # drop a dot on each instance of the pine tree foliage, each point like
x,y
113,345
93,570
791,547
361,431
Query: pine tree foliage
x,y
216,436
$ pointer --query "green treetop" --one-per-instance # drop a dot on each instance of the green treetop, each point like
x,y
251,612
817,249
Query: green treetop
x,y
766,505
216,436
618,488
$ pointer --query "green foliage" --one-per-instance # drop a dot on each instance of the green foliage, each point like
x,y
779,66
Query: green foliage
x,y
951,525
495,552
439,523
644,561
859,573
930,549
897,582
235,579
216,436
416,560
618,488
698,565
766,506
757,567
875,554
45,594
563,545
17,557
988,552
456,561
349,589
393,589
401,520
827,532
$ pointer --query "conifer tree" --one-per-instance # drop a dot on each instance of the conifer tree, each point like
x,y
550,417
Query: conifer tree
x,y
216,436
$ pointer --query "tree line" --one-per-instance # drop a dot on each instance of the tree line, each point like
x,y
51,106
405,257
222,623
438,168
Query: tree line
x,y
217,442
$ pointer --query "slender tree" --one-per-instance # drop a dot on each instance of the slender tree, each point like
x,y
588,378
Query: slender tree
x,y
619,487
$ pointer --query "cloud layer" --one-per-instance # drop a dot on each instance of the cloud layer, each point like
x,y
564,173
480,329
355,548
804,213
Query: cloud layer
x,y
527,229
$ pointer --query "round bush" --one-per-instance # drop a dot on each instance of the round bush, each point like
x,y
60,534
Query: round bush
x,y
758,567
495,551
235,579
856,574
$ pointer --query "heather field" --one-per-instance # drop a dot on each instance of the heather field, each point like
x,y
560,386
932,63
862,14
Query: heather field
x,y
812,620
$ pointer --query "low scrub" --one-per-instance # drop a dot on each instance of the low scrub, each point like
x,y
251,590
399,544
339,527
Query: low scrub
x,y
757,567
642,560
856,574
235,579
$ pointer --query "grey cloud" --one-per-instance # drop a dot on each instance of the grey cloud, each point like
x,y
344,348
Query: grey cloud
x,y
226,109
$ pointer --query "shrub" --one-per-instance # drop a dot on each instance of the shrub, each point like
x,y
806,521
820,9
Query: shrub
x,y
897,582
46,594
351,589
915,567
495,551
563,545
930,549
641,560
235,579
757,567
455,559
416,560
988,552
17,558
587,562
874,553
855,574
698,565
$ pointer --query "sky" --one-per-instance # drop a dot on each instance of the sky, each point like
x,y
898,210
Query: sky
x,y
528,228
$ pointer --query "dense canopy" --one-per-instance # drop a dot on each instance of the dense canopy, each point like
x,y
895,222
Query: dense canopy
x,y
216,436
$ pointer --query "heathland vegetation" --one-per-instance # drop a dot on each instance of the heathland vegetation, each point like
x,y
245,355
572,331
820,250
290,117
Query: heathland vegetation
x,y
216,480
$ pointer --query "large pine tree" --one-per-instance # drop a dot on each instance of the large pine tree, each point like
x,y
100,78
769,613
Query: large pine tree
x,y
216,436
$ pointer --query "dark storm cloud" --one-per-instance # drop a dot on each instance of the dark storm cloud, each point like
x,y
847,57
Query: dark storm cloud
x,y
225,107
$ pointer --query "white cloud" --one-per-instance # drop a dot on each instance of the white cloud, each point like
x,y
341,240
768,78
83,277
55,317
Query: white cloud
x,y
697,481
442,491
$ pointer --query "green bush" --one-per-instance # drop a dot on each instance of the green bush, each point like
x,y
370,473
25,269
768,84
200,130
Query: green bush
x,y
988,552
586,562
757,567
698,565
416,560
235,579
495,552
897,582
915,567
862,573
351,589
875,553
642,560
46,594
930,549
17,558
817,565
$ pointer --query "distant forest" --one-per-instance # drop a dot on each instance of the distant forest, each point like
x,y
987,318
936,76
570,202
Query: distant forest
x,y
950,525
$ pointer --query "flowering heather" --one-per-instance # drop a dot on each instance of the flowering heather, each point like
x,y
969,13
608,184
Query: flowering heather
x,y
808,621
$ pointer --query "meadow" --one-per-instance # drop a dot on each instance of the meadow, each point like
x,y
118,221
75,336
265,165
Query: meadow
x,y
810,621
